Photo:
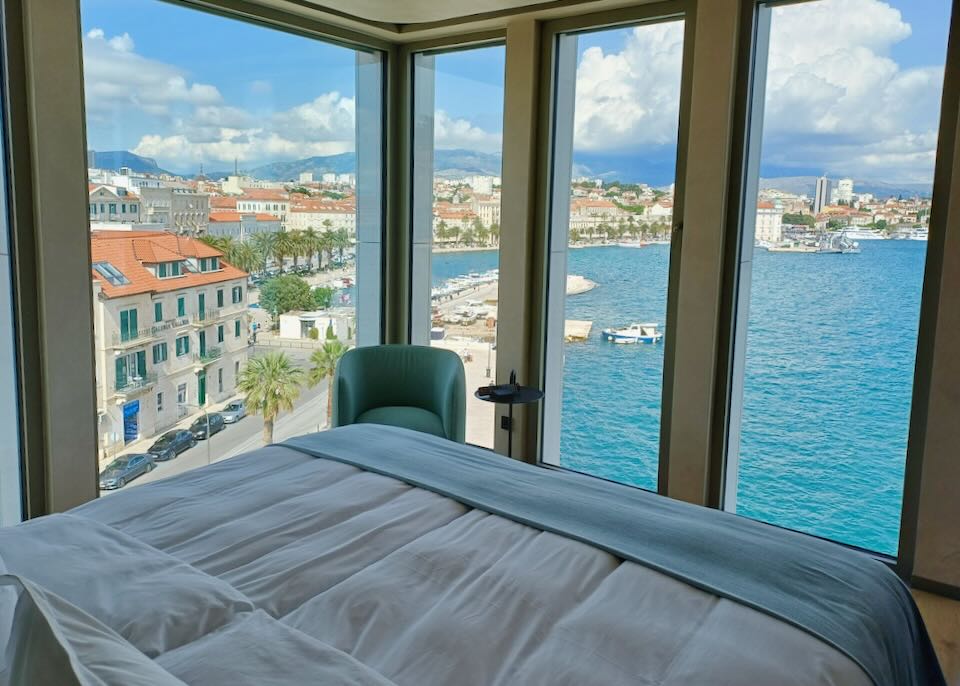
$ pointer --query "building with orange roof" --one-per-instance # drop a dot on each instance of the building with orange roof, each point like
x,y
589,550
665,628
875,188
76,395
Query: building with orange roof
x,y
265,201
242,225
323,214
769,226
170,324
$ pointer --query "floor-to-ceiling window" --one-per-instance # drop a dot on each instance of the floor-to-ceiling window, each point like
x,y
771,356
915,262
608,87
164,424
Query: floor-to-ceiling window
x,y
845,113
235,215
615,138
11,496
457,126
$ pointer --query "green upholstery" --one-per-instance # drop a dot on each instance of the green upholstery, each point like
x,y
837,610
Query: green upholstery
x,y
413,386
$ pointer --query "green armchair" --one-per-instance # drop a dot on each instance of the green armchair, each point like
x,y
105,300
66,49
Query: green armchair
x,y
413,386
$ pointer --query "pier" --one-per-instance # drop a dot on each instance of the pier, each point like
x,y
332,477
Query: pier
x,y
576,330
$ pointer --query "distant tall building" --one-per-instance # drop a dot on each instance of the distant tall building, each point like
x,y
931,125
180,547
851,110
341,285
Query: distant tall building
x,y
821,197
844,191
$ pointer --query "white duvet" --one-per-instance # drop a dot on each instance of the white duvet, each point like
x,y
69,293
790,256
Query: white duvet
x,y
279,568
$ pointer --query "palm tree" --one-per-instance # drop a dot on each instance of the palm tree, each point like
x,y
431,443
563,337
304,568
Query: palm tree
x,y
341,241
284,245
272,384
218,242
495,232
296,246
244,256
324,362
263,244
311,245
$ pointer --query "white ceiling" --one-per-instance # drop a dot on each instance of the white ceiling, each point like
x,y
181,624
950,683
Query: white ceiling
x,y
419,11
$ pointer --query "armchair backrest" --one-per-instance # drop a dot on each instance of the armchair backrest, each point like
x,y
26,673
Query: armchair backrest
x,y
401,375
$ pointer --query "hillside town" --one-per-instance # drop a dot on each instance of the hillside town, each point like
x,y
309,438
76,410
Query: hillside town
x,y
181,265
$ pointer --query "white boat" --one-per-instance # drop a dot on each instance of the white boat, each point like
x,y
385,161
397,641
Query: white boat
x,y
635,333
864,235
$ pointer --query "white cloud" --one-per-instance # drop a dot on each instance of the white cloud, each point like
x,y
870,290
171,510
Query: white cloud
x,y
836,100
119,81
630,99
220,134
450,133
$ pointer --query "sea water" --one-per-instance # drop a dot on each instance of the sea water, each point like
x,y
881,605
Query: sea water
x,y
831,345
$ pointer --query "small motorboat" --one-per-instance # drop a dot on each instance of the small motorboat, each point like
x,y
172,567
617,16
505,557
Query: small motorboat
x,y
635,333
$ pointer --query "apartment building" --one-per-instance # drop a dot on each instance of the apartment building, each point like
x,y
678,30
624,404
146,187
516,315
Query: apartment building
x,y
183,210
769,227
170,331
322,215
113,204
265,201
242,226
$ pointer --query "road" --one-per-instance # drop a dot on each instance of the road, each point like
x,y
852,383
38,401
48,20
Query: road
x,y
309,415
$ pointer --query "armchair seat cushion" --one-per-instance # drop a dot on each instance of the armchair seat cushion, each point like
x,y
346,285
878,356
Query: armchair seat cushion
x,y
406,417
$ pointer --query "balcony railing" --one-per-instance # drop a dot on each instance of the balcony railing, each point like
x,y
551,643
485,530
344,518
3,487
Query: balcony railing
x,y
214,314
134,384
132,337
209,355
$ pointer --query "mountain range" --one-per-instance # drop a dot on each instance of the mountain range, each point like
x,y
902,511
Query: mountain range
x,y
459,163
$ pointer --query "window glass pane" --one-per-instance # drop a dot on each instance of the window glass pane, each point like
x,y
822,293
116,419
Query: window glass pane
x,y
458,128
11,503
846,131
231,151
617,122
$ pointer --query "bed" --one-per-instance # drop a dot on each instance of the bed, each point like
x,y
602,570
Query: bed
x,y
375,555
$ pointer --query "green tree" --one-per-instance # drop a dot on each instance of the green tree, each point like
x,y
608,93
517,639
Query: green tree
x,y
284,245
495,233
799,219
880,224
312,245
263,244
272,385
835,224
244,256
324,365
323,297
285,293
341,241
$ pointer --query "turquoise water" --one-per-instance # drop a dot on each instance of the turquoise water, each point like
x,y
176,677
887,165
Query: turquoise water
x,y
830,353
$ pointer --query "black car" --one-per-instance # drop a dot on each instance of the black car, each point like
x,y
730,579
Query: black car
x,y
171,444
125,469
199,427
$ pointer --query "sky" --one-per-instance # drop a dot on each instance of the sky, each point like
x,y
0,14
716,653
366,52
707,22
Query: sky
x,y
853,89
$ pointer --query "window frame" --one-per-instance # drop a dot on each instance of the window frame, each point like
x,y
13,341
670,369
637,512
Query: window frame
x,y
554,196
722,477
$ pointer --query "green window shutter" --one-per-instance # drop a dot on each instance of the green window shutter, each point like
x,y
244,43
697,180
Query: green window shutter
x,y
124,325
236,328
158,312
142,363
121,369
133,323
220,334
156,354
181,307
162,270
220,298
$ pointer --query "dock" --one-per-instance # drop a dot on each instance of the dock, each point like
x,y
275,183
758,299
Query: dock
x,y
576,330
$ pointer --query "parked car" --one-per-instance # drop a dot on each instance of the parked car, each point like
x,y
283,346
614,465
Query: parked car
x,y
234,412
213,421
171,444
125,469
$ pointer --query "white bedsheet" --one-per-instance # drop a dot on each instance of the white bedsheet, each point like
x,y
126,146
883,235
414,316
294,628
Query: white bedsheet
x,y
364,577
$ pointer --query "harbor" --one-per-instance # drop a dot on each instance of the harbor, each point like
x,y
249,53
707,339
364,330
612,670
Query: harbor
x,y
818,339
